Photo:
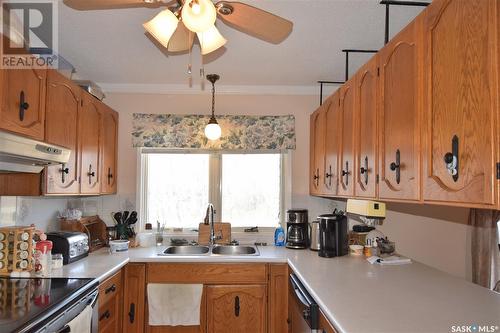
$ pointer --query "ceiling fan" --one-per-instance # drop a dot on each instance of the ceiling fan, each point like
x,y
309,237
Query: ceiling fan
x,y
176,26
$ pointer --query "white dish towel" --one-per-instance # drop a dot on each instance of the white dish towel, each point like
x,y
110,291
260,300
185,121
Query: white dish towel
x,y
83,322
174,304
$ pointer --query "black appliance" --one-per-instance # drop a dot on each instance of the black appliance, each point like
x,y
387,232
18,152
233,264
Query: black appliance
x,y
297,229
304,311
39,305
333,239
72,245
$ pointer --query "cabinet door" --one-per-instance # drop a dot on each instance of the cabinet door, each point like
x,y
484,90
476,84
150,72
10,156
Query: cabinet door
x,y
317,151
324,324
366,130
347,100
236,309
461,59
134,286
22,107
278,298
61,128
109,145
90,128
333,141
400,66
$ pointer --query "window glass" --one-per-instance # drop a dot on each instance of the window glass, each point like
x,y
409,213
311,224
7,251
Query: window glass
x,y
251,189
177,189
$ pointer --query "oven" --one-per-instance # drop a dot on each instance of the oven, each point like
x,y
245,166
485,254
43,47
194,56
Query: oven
x,y
304,312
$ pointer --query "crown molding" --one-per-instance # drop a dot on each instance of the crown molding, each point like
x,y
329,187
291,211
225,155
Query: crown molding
x,y
184,89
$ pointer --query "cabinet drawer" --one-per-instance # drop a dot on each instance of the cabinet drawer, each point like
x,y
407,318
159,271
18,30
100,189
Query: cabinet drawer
x,y
109,316
109,289
207,273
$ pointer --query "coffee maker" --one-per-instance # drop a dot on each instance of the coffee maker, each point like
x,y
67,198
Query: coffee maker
x,y
297,229
333,239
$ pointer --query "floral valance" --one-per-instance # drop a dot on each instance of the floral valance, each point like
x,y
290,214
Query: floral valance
x,y
238,132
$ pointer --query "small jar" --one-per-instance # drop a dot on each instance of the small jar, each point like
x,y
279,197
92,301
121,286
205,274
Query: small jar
x,y
2,236
57,261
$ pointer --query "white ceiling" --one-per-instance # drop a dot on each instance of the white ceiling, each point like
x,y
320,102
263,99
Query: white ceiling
x,y
110,47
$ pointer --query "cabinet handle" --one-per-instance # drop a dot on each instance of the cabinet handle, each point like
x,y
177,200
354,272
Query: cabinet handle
x,y
237,306
316,177
329,176
131,313
396,166
105,315
346,173
451,159
110,176
23,105
110,289
90,174
364,170
64,171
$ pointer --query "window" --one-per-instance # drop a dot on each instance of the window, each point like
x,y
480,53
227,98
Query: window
x,y
246,189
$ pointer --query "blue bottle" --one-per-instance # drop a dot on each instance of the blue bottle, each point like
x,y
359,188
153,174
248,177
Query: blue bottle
x,y
279,236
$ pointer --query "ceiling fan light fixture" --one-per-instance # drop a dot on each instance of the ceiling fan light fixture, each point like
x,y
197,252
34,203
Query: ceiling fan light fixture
x,y
211,40
162,26
198,15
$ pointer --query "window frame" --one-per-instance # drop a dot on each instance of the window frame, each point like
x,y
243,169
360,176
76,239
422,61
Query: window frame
x,y
215,182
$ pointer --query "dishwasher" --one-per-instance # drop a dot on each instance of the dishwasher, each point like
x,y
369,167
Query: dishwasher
x,y
304,312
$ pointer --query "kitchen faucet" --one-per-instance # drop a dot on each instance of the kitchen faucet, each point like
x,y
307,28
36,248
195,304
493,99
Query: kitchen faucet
x,y
210,218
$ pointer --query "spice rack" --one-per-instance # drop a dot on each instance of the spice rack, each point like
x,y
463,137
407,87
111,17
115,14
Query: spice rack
x,y
16,249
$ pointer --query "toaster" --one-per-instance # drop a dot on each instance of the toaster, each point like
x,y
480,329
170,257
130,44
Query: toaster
x,y
72,245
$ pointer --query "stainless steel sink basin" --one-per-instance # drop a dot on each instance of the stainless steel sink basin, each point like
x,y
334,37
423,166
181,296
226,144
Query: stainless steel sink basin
x,y
186,250
239,250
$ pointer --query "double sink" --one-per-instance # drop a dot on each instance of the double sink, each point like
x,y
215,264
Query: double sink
x,y
223,250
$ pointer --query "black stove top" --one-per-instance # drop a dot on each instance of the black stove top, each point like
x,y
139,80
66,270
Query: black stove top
x,y
24,301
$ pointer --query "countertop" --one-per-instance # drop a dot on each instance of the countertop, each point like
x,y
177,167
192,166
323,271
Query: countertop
x,y
355,295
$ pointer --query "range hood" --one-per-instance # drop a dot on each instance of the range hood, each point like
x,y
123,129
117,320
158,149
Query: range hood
x,y
20,154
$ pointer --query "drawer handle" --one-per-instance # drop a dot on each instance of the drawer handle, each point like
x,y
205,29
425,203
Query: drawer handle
x,y
237,306
105,315
131,313
110,289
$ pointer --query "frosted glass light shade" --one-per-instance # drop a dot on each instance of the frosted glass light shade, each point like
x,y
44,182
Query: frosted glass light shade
x,y
198,15
210,40
162,26
213,131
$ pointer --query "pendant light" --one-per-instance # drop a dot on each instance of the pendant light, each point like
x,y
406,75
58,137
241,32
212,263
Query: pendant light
x,y
213,130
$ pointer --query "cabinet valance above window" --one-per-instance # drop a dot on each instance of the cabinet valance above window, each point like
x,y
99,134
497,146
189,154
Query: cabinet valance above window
x,y
238,132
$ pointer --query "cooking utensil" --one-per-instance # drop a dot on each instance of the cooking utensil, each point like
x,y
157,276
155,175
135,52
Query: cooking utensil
x,y
118,217
125,216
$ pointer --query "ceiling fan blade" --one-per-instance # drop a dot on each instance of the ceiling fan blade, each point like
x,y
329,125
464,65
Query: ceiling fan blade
x,y
180,41
110,4
254,21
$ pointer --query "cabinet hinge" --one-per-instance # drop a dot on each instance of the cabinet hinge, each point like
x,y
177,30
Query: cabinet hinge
x,y
498,170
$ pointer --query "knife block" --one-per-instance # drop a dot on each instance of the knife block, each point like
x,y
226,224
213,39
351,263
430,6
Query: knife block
x,y
221,229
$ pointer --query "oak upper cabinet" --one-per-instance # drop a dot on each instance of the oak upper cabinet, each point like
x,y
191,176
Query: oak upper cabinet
x,y
236,308
346,160
61,128
399,115
461,98
317,150
332,145
89,133
22,106
365,163
134,294
109,146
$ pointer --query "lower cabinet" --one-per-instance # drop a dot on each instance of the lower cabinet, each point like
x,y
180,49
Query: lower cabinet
x,y
236,308
324,324
110,302
236,297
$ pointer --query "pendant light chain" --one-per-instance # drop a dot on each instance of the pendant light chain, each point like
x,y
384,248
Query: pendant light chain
x,y
213,99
